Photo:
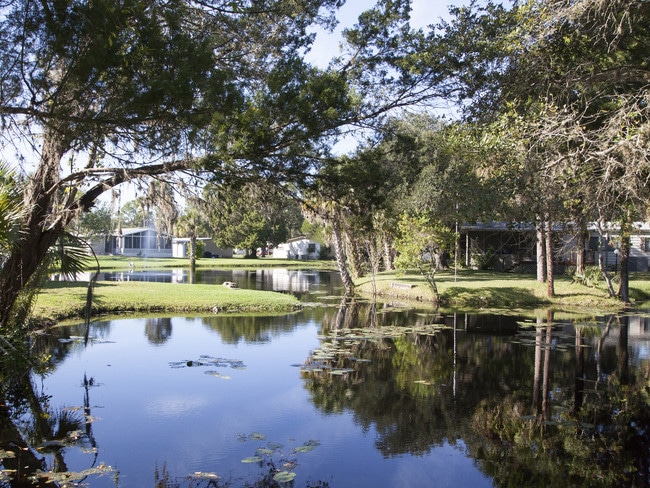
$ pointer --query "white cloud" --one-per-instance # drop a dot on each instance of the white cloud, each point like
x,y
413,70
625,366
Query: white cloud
x,y
172,406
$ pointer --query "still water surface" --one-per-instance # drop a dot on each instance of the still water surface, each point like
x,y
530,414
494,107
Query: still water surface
x,y
356,396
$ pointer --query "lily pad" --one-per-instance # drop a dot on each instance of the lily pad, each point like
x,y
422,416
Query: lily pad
x,y
205,476
303,449
341,371
284,477
252,459
307,446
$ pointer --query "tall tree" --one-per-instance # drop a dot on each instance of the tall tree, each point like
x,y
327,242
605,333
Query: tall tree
x,y
161,197
421,242
136,213
251,216
112,92
576,73
97,222
192,223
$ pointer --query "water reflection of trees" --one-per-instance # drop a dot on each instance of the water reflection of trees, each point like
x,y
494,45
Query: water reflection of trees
x,y
551,403
158,330
532,407
252,328
34,435
600,437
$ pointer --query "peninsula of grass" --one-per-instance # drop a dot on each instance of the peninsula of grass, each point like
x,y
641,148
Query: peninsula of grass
x,y
65,300
475,290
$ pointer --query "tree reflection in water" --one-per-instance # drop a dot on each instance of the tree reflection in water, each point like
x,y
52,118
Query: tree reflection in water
x,y
542,402
32,431
556,417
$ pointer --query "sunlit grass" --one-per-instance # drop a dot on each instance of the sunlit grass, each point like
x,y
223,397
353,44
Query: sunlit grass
x,y
469,289
67,299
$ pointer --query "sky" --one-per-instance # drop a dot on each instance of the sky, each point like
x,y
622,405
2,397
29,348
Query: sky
x,y
423,14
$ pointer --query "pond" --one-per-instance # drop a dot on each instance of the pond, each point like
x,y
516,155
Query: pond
x,y
351,395
300,282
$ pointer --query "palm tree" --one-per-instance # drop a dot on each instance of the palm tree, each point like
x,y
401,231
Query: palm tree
x,y
68,255
190,224
10,205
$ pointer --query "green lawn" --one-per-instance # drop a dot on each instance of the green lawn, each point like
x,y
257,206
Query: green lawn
x,y
61,300
471,290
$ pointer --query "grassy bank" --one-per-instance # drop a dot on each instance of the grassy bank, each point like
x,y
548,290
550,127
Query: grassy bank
x,y
64,300
472,290
61,300
468,290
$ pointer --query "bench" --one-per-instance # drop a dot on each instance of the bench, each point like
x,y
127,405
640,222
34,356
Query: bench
x,y
402,286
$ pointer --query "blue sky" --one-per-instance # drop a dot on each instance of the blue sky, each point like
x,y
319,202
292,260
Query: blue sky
x,y
423,14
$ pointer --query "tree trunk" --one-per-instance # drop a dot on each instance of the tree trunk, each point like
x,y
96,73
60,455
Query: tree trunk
x,y
441,260
623,359
541,256
353,255
546,373
601,262
374,260
580,249
624,276
339,252
192,258
388,253
38,232
537,375
579,388
550,285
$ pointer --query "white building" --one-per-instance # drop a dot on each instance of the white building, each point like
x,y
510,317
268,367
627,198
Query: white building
x,y
181,248
297,248
139,241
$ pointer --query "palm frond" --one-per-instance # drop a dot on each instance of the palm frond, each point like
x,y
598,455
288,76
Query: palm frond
x,y
70,257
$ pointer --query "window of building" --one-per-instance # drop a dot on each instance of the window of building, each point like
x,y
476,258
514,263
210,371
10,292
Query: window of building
x,y
645,245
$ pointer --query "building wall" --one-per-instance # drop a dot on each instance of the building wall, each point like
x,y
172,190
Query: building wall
x,y
139,243
181,248
297,249
516,248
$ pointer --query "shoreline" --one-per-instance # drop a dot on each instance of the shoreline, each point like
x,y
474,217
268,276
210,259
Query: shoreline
x,y
467,290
